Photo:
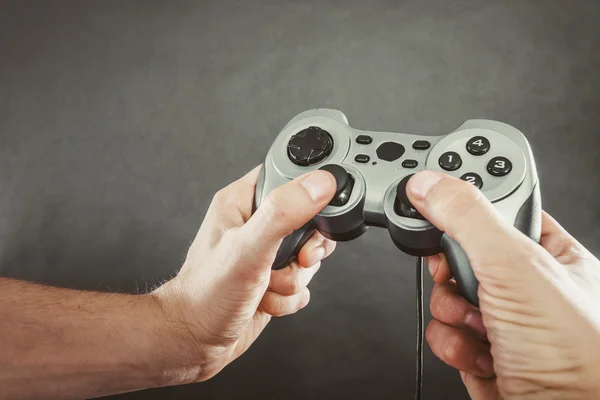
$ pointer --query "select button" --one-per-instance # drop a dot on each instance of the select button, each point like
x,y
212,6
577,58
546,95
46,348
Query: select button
x,y
410,163
364,139
421,145
362,158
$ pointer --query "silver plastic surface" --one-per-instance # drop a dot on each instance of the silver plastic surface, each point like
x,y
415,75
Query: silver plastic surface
x,y
379,178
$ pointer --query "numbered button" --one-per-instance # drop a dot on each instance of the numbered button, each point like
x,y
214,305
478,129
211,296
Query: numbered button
x,y
473,179
499,166
478,145
450,161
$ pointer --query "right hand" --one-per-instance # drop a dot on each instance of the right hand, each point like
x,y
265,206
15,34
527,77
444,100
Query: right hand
x,y
537,332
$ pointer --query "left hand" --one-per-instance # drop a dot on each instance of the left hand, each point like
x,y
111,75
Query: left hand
x,y
226,292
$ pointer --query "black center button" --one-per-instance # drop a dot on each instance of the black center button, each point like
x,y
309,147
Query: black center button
x,y
390,151
450,161
310,146
478,145
473,179
364,139
499,166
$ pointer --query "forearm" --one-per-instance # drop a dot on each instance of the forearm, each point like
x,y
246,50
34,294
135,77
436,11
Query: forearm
x,y
67,344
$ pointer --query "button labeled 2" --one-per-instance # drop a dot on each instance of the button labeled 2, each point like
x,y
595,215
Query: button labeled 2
x,y
473,179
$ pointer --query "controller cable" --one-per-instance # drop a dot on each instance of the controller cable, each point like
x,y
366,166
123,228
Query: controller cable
x,y
420,328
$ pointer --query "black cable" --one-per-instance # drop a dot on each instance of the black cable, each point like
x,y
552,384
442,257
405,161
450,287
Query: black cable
x,y
420,328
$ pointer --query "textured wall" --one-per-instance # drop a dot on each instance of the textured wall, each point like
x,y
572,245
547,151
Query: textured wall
x,y
120,119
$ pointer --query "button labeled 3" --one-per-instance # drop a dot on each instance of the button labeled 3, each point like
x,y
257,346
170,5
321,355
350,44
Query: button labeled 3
x,y
499,166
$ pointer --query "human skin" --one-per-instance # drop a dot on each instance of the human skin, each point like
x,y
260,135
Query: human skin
x,y
536,334
67,344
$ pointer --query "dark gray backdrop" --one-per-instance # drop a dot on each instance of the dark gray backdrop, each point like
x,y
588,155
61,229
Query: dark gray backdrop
x,y
120,119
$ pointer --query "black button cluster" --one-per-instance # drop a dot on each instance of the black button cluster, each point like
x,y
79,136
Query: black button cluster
x,y
364,140
477,146
392,151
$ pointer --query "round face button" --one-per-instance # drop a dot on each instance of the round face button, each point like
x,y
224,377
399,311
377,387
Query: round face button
x,y
473,179
499,166
450,161
309,146
478,145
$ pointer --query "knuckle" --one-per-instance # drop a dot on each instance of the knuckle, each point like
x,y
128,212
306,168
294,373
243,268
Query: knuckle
x,y
431,335
232,245
451,349
230,238
223,199
221,196
305,299
292,283
441,304
274,306
274,206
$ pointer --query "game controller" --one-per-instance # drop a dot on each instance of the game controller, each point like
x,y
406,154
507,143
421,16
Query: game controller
x,y
372,169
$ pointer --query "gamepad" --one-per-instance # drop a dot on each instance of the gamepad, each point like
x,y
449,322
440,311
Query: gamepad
x,y
371,171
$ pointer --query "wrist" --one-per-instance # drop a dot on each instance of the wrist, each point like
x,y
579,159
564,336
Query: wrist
x,y
185,356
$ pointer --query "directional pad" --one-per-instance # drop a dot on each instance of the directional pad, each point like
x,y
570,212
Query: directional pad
x,y
310,146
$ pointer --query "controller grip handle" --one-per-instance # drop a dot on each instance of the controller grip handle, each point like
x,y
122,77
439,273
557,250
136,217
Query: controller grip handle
x,y
292,244
461,269
528,221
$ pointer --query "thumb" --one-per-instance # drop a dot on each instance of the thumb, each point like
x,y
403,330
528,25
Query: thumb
x,y
465,214
286,209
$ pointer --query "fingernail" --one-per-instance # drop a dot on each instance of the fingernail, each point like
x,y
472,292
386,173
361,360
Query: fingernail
x,y
474,321
433,264
318,185
317,255
420,184
486,364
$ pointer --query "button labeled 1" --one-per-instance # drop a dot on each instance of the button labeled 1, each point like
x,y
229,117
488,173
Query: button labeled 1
x,y
473,179
450,161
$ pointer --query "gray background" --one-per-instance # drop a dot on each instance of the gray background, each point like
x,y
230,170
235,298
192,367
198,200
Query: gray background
x,y
120,119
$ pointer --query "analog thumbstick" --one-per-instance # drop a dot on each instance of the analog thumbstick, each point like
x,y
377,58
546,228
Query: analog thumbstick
x,y
402,205
344,183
